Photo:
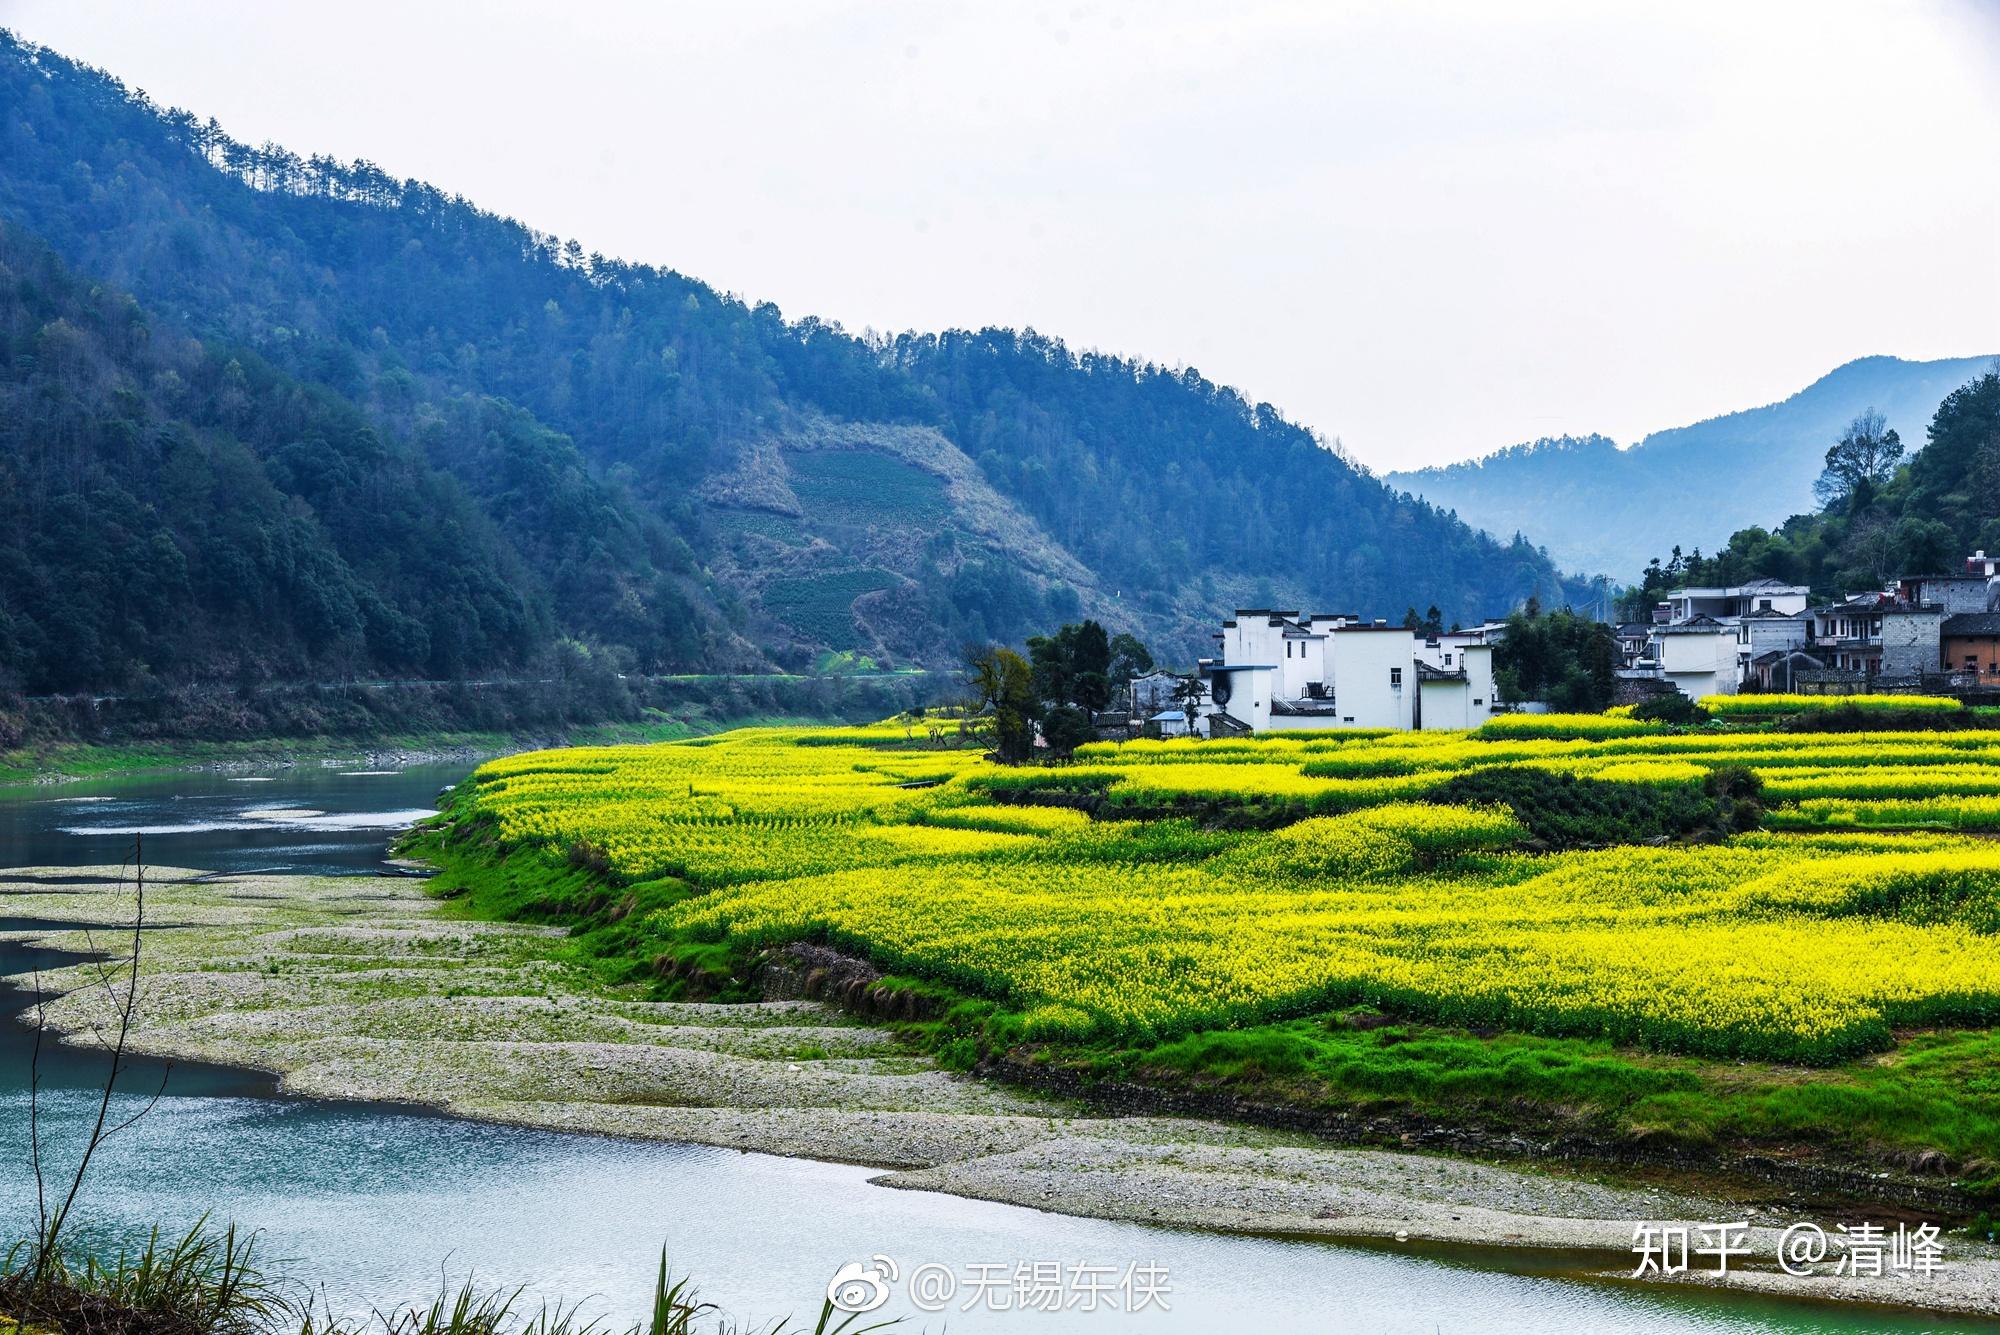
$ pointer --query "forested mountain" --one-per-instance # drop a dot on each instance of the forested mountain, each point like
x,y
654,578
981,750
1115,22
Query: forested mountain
x,y
1920,517
629,456
1600,508
179,508
1159,480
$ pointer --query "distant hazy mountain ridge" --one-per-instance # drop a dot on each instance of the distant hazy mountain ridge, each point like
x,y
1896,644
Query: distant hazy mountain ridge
x,y
1602,509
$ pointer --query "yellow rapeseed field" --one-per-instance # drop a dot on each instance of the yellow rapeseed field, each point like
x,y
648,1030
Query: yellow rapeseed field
x,y
1784,944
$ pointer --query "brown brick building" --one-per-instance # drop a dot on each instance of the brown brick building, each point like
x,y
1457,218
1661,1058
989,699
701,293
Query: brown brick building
x,y
1971,642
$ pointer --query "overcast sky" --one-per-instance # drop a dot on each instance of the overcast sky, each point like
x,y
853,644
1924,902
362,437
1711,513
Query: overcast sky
x,y
1429,230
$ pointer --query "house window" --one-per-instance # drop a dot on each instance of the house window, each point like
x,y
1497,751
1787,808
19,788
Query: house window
x,y
1447,660
1396,677
1477,703
1763,604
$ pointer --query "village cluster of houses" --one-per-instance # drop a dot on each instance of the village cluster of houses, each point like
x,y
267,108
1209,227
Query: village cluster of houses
x,y
1917,633
1287,671
1283,671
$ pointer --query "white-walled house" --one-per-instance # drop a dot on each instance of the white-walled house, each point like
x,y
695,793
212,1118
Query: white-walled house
x,y
1374,677
1241,692
1280,671
1458,690
1699,657
1293,646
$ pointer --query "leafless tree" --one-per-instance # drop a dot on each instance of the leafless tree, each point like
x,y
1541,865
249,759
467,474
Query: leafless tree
x,y
50,1222
1862,459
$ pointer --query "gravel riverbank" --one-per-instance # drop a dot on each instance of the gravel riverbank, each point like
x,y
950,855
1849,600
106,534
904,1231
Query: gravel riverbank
x,y
362,988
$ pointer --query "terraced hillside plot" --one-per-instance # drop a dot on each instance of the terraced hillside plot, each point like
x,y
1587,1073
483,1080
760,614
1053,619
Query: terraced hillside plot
x,y
822,606
861,487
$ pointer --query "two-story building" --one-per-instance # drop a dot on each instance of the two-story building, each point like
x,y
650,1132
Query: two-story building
x,y
1283,671
1728,602
1848,634
1698,656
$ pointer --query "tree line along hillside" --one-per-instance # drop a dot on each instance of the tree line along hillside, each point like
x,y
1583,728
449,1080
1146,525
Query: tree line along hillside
x,y
1154,478
458,389
1882,515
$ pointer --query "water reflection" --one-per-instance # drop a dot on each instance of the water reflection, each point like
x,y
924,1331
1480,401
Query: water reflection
x,y
313,818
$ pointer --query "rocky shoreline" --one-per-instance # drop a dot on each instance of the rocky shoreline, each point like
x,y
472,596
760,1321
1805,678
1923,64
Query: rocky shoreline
x,y
365,988
1827,1186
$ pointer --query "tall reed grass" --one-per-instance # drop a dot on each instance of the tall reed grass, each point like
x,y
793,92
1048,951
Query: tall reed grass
x,y
207,1282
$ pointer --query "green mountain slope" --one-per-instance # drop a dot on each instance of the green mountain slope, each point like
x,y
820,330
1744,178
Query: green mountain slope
x,y
169,508
703,482
1601,508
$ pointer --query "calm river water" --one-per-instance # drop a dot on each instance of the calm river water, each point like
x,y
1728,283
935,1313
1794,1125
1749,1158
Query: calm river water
x,y
379,1204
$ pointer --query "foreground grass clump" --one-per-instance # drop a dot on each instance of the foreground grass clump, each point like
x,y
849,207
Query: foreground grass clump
x,y
1564,811
204,1282
1079,923
207,1282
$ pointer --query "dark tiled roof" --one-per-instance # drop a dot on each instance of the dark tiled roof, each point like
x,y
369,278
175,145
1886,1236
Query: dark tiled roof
x,y
1972,623
1867,602
1305,708
1696,625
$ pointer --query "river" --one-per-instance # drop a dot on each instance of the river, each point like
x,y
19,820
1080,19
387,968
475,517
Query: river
x,y
378,1205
